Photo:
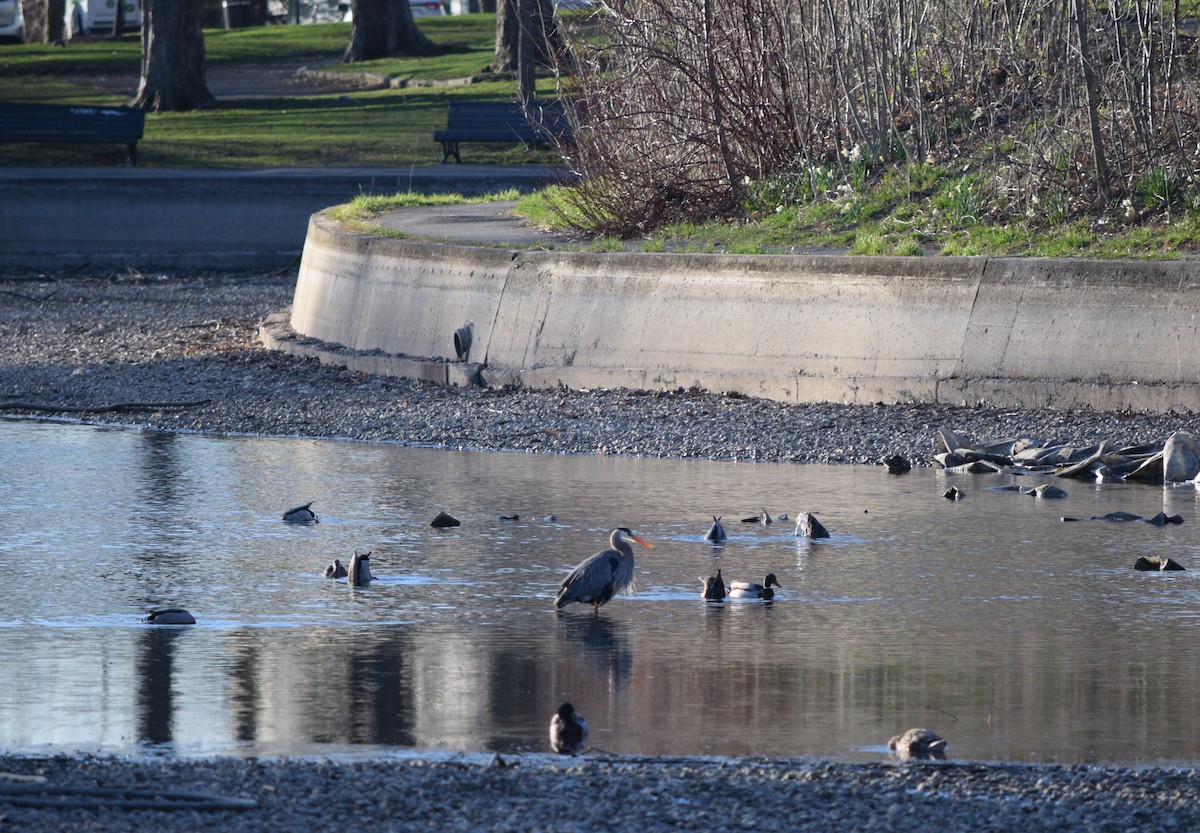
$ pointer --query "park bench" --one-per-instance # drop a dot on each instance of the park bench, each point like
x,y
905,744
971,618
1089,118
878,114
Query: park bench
x,y
502,121
77,123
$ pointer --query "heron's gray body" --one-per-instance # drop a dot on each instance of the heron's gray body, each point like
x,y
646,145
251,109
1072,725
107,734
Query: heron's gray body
x,y
603,575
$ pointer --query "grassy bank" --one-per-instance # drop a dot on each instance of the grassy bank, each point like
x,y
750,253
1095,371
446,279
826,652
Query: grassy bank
x,y
387,127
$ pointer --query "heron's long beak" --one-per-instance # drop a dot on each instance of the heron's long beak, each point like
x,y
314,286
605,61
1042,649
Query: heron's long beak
x,y
642,541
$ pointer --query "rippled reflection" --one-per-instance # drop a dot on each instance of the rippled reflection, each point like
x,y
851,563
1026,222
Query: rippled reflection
x,y
1014,635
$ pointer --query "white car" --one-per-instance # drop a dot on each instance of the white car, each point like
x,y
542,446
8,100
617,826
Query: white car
x,y
86,16
12,21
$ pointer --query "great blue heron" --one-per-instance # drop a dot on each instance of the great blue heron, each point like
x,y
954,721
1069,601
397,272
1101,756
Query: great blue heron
x,y
750,590
335,570
919,745
807,526
170,616
359,574
568,730
716,532
714,588
602,576
301,514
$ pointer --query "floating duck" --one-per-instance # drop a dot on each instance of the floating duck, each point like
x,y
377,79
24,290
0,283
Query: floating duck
x,y
359,574
919,745
169,616
896,464
301,514
335,570
763,517
568,731
601,576
716,532
750,590
807,526
714,588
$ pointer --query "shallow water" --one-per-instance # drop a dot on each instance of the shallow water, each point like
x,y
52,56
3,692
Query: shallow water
x,y
1017,636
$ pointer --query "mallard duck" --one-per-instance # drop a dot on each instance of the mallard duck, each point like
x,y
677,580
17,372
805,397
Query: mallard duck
x,y
919,745
359,574
568,731
750,590
714,588
601,576
807,526
169,616
335,570
763,517
301,514
716,532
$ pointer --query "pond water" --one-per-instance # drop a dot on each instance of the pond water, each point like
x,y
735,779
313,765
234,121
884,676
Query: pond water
x,y
1015,635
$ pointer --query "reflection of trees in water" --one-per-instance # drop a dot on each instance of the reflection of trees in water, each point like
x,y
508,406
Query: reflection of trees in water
x,y
327,685
154,666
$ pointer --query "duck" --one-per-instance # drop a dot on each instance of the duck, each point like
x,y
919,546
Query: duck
x,y
599,577
714,588
359,574
301,514
807,526
169,616
763,517
716,532
335,570
568,731
750,590
919,745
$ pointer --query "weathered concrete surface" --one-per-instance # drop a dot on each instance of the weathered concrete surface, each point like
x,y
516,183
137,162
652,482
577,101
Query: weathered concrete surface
x,y
144,218
1019,332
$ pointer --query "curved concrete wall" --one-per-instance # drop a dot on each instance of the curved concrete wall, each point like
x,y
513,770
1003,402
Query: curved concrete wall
x,y
1008,332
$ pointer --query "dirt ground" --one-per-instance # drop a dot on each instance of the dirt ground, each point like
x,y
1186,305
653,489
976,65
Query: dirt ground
x,y
232,83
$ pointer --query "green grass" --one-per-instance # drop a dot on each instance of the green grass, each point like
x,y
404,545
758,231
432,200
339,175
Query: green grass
x,y
392,127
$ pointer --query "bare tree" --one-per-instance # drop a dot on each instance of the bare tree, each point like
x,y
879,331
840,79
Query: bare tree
x,y
381,28
173,66
542,29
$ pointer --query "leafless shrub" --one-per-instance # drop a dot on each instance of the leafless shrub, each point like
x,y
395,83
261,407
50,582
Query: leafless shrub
x,y
679,106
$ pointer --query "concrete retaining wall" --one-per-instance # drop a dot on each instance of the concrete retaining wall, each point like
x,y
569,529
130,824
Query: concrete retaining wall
x,y
1007,332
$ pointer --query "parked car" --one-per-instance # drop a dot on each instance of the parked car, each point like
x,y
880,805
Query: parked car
x,y
323,11
12,22
86,16
423,8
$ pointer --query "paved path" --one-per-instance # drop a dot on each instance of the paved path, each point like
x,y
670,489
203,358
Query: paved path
x,y
115,219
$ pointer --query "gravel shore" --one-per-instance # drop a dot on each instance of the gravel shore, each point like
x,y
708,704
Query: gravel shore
x,y
180,352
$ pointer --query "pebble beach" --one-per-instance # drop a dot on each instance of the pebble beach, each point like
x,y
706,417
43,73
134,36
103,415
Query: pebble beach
x,y
180,352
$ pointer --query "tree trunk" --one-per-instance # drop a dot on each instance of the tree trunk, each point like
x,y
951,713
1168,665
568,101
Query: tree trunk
x,y
43,20
382,28
1092,87
547,40
118,27
173,72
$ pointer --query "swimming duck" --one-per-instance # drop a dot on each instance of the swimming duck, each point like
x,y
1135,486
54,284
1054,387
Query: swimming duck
x,y
919,745
335,570
359,574
714,588
601,576
169,616
716,532
750,590
568,730
301,514
763,517
896,464
807,526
